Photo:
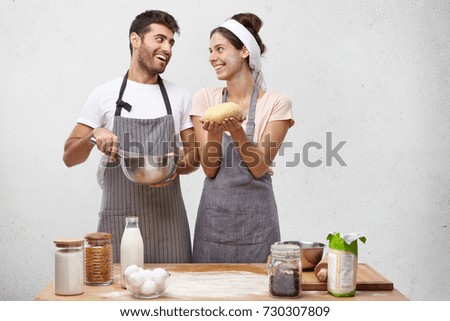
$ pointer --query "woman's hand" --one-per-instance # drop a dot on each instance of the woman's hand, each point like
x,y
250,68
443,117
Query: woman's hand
x,y
232,124
211,127
209,137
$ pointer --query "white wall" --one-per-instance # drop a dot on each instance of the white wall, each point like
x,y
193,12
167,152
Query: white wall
x,y
373,73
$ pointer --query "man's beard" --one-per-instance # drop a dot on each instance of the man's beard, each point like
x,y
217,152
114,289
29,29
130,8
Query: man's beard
x,y
146,63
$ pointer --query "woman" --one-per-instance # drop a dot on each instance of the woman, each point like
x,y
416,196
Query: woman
x,y
237,219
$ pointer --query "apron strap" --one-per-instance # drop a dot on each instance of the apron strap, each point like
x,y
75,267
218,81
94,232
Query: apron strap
x,y
168,108
165,96
251,113
122,104
250,128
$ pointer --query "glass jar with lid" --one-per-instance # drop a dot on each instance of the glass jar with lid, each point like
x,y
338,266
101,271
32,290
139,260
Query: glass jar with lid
x,y
69,266
98,259
285,268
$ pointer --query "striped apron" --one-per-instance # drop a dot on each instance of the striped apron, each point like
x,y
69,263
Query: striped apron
x,y
161,211
237,219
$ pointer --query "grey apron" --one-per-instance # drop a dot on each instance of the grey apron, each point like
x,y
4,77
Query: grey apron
x,y
161,211
237,219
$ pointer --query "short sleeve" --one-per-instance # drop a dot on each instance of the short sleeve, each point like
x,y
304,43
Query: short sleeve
x,y
200,102
185,120
282,110
91,114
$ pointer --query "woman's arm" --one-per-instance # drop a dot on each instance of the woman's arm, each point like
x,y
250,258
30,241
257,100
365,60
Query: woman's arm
x,y
209,144
258,157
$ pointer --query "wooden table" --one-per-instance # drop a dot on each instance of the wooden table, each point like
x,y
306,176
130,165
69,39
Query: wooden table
x,y
224,282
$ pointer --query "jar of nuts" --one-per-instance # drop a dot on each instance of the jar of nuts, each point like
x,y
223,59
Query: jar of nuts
x,y
98,260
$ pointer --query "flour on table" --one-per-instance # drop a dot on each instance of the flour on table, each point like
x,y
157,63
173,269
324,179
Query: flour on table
x,y
216,284
116,295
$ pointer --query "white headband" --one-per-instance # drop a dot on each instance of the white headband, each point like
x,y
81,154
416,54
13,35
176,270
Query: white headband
x,y
252,46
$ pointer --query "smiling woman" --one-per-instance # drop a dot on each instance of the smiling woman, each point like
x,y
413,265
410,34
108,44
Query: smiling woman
x,y
374,74
237,219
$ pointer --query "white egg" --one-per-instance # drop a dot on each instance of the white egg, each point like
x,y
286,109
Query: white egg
x,y
130,270
147,274
148,288
134,289
159,272
160,283
136,279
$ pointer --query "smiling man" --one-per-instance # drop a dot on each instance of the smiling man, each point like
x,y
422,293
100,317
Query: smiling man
x,y
141,110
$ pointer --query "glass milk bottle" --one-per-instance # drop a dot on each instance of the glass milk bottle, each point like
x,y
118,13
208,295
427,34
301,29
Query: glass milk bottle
x,y
131,246
69,278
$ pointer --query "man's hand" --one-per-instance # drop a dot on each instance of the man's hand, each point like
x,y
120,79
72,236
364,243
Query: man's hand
x,y
106,142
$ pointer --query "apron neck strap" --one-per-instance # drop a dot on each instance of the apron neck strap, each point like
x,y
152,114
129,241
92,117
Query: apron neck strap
x,y
122,104
250,128
165,96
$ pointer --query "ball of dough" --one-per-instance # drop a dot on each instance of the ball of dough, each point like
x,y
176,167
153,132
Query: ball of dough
x,y
218,113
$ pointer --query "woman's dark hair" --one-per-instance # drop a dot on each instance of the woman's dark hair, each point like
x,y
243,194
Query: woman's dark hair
x,y
250,21
141,24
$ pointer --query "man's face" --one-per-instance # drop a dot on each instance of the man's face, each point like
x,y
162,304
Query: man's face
x,y
155,49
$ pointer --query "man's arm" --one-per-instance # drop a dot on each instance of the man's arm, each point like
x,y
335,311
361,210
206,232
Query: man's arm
x,y
190,161
78,147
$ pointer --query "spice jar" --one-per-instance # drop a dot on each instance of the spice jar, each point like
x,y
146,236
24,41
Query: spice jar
x,y
98,259
284,270
69,267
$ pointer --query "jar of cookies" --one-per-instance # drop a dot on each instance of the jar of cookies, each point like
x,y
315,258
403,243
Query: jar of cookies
x,y
98,259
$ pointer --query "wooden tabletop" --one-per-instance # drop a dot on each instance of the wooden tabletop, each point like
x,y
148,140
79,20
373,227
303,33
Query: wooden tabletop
x,y
220,282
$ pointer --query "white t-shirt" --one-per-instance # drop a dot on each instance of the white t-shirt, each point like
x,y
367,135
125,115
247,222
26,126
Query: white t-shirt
x,y
146,101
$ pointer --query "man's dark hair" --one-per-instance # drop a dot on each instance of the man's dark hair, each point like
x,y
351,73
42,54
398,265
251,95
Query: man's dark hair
x,y
142,22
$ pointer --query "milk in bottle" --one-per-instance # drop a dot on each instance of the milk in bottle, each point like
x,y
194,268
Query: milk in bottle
x,y
131,246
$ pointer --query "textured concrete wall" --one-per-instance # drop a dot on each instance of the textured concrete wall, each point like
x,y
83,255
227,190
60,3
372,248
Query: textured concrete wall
x,y
373,74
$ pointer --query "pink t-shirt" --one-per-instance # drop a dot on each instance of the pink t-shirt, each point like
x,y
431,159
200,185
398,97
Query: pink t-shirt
x,y
270,107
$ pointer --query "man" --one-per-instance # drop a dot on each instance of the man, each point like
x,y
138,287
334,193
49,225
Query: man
x,y
140,109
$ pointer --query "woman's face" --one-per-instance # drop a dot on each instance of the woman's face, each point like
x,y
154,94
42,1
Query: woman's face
x,y
224,57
